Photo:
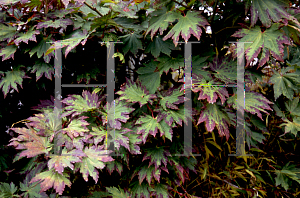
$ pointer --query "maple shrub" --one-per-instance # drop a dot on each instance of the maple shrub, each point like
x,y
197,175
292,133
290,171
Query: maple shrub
x,y
127,148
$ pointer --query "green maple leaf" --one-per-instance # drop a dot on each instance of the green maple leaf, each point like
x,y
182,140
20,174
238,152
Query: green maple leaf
x,y
117,192
41,49
292,127
254,103
177,116
150,76
167,63
268,11
224,70
170,98
79,104
76,127
134,139
269,41
208,92
157,156
213,116
52,179
32,143
141,190
114,165
149,125
98,134
187,25
7,190
70,43
158,46
158,21
132,43
198,64
95,159
115,113
8,52
31,191
11,79
148,173
30,35
41,68
293,107
55,24
285,83
135,92
119,138
160,190
288,172
88,75
7,33
59,162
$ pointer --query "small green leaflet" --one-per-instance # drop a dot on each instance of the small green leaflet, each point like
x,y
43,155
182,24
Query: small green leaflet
x,y
7,190
132,43
189,24
53,179
270,10
269,41
288,172
254,103
8,52
135,92
158,46
11,79
150,76
59,162
213,116
95,159
292,127
285,83
30,35
41,68
117,192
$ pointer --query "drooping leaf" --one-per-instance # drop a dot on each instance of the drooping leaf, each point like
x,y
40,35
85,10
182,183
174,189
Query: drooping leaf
x,y
114,165
292,127
41,68
285,83
141,190
11,79
269,41
59,162
132,43
115,113
30,35
268,11
150,76
254,103
157,156
158,46
30,141
288,172
160,190
187,25
53,179
117,192
8,52
213,116
167,63
95,159
148,172
135,92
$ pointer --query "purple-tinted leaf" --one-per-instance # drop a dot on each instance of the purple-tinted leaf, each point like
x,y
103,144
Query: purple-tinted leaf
x,y
157,156
55,24
41,68
30,35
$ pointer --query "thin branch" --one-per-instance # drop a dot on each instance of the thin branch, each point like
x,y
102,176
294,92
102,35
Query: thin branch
x,y
92,8
181,4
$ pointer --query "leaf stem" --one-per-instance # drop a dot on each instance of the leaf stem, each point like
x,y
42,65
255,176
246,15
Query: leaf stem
x,y
92,8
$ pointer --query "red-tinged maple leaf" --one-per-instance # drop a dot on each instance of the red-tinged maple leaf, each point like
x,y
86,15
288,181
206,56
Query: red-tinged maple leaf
x,y
95,159
41,68
157,156
55,24
30,141
59,162
76,127
187,25
52,179
148,173
30,35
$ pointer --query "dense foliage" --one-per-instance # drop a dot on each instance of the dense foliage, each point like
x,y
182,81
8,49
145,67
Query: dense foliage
x,y
148,114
